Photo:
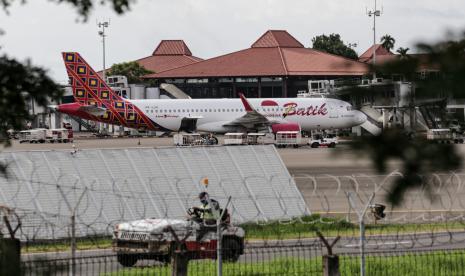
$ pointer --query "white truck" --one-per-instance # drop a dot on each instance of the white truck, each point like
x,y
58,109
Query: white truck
x,y
150,239
37,135
320,140
59,135
288,139
235,139
444,136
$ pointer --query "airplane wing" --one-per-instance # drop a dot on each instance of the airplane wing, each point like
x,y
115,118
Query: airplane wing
x,y
251,118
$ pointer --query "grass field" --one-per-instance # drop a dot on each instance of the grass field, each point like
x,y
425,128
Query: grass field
x,y
424,264
304,227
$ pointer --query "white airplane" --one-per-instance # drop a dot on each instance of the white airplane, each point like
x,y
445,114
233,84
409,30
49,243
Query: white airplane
x,y
95,100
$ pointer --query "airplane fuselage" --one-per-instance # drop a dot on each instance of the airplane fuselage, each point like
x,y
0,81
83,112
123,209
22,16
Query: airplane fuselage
x,y
213,115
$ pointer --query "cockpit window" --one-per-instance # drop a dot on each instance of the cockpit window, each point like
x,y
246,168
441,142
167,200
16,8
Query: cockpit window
x,y
349,108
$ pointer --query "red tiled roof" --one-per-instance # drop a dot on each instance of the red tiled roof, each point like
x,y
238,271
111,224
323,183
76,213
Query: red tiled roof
x,y
380,51
423,63
276,53
162,63
275,38
169,54
172,47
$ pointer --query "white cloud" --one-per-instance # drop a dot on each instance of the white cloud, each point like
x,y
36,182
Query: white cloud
x,y
40,30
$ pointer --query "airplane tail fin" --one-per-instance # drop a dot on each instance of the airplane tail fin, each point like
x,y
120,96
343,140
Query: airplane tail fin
x,y
88,87
98,100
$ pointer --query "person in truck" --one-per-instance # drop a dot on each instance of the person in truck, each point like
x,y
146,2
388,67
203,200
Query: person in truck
x,y
205,214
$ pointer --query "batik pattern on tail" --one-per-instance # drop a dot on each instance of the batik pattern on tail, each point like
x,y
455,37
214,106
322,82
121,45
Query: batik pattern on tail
x,y
90,89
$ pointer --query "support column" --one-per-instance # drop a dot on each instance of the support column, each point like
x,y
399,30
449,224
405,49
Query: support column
x,y
234,95
259,87
284,87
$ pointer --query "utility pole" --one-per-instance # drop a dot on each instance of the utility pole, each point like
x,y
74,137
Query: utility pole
x,y
374,13
103,25
101,32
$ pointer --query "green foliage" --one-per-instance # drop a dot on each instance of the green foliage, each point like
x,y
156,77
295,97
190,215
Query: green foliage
x,y
132,70
83,6
402,51
334,45
21,82
388,42
418,157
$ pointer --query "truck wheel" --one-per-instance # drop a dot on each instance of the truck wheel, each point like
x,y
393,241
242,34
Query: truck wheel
x,y
127,260
315,145
231,250
332,145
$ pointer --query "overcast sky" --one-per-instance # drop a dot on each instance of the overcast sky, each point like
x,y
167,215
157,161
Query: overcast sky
x,y
40,30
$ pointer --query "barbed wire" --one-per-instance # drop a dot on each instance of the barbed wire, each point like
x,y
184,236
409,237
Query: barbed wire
x,y
431,215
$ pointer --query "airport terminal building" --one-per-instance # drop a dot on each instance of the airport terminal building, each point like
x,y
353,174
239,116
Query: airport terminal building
x,y
276,65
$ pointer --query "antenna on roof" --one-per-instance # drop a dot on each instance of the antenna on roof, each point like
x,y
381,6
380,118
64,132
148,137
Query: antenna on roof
x,y
374,13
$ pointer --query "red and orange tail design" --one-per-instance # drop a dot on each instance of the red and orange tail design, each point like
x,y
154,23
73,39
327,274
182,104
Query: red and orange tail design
x,y
89,89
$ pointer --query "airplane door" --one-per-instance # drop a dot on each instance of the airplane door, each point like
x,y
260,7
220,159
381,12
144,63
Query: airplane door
x,y
334,111
188,125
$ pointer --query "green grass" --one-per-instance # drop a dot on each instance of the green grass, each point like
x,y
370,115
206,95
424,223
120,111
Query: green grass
x,y
304,227
280,266
411,264
424,264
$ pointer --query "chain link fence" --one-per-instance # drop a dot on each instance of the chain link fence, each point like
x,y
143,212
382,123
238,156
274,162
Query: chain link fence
x,y
426,234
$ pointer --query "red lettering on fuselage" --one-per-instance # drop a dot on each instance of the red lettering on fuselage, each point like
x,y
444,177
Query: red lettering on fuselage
x,y
291,109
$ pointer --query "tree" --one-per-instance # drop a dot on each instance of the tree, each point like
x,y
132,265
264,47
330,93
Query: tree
x,y
387,42
402,51
132,70
334,45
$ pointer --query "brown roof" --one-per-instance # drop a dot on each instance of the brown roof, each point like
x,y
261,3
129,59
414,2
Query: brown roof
x,y
162,63
380,51
276,53
172,47
424,64
169,54
276,38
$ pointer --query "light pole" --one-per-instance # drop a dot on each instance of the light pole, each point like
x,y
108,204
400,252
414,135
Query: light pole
x,y
101,32
374,13
102,26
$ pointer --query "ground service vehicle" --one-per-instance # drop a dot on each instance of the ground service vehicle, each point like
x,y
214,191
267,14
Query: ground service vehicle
x,y
444,135
319,140
149,239
59,135
235,139
260,138
288,138
37,135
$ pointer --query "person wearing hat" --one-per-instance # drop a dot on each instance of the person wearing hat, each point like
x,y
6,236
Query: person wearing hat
x,y
205,214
